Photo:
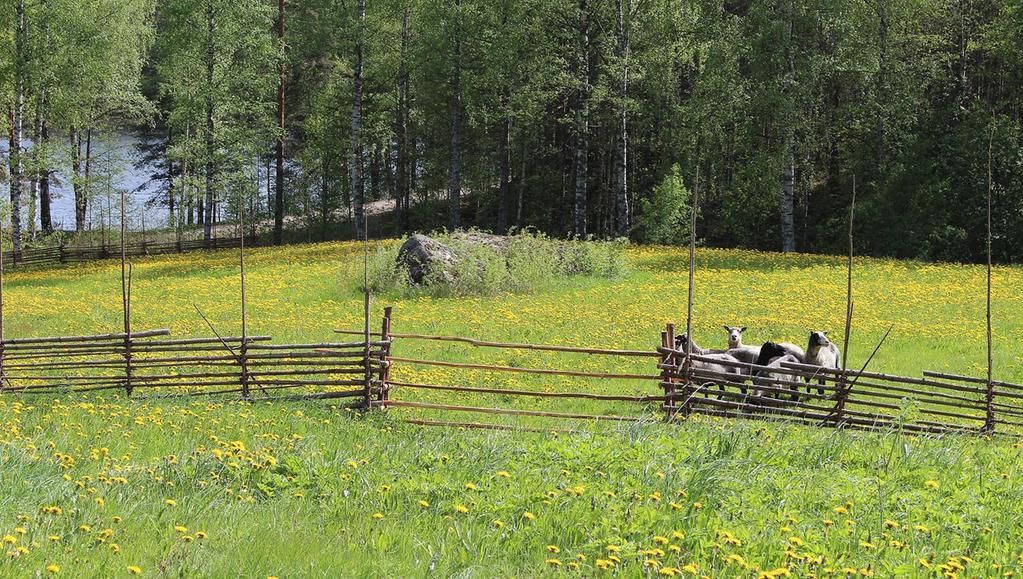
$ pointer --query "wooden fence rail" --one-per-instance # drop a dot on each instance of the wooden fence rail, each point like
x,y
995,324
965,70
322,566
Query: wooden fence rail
x,y
684,385
45,256
150,362
606,385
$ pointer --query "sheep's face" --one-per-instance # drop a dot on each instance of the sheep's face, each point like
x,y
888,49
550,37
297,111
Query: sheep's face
x,y
681,342
734,335
819,339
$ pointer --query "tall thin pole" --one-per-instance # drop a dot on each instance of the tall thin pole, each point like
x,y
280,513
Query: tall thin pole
x,y
692,273
126,302
2,376
843,384
366,299
245,312
989,422
849,283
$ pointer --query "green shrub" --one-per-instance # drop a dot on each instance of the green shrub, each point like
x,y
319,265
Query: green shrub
x,y
530,261
664,216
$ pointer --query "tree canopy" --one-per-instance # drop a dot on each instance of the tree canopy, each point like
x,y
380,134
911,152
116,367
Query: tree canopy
x,y
580,117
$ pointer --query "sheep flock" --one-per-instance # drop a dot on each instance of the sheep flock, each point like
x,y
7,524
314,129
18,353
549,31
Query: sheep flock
x,y
768,366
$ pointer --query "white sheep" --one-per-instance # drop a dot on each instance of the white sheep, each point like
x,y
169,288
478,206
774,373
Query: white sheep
x,y
821,351
742,352
728,365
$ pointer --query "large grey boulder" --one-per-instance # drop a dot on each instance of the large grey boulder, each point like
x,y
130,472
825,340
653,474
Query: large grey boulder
x,y
425,258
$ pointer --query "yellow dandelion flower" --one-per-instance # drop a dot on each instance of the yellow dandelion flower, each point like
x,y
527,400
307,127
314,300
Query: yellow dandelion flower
x,y
553,562
461,509
53,569
134,569
737,559
554,549
378,516
528,516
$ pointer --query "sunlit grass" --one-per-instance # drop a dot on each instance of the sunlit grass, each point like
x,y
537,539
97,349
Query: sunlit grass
x,y
98,487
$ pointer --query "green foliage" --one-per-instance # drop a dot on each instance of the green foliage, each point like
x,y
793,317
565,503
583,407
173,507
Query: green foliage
x,y
664,218
530,262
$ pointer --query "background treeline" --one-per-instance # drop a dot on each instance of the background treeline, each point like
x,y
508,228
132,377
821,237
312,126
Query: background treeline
x,y
585,117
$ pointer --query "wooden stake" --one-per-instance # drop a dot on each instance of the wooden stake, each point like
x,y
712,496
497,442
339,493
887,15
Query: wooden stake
x,y
989,423
692,277
385,336
243,359
126,302
366,303
844,385
3,376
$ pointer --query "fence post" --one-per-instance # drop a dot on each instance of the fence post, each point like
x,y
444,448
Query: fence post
x,y
385,364
667,380
3,377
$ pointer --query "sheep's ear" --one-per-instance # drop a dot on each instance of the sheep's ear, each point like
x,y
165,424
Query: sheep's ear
x,y
825,333
727,329
742,330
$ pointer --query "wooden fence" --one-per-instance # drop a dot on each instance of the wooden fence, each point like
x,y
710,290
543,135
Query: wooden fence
x,y
678,385
149,363
662,383
46,256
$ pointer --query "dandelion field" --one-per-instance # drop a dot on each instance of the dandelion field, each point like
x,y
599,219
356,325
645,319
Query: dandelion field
x,y
97,487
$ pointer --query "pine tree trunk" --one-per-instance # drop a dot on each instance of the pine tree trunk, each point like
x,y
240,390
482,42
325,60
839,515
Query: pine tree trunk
x,y
402,195
37,176
87,180
788,230
45,210
582,123
504,163
455,160
621,168
77,184
374,172
279,190
208,136
17,128
882,83
171,191
358,185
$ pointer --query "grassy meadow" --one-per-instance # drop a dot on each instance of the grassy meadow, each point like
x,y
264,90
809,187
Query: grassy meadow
x,y
97,487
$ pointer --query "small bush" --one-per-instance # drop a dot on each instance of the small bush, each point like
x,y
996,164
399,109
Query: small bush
x,y
663,218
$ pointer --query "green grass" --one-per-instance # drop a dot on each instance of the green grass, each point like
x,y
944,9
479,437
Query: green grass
x,y
288,502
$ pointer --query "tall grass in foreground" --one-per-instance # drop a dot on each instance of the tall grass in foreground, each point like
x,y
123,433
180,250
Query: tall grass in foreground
x,y
97,488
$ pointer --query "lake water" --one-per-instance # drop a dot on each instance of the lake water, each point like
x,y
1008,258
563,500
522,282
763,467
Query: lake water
x,y
117,164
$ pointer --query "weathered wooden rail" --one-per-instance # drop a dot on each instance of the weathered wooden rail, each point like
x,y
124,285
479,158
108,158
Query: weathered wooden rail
x,y
47,256
149,363
937,403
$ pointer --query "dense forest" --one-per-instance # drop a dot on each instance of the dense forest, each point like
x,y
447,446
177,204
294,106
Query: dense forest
x,y
576,117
